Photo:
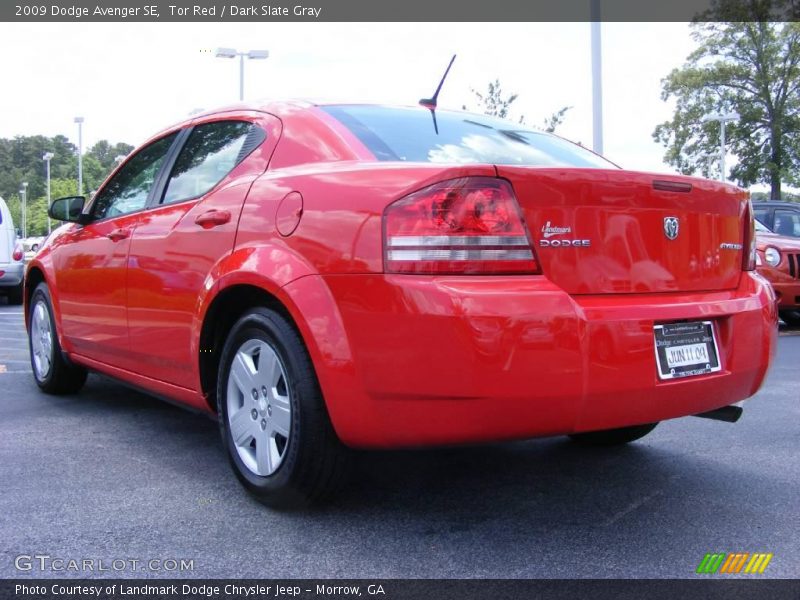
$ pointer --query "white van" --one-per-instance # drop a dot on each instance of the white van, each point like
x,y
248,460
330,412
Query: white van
x,y
12,264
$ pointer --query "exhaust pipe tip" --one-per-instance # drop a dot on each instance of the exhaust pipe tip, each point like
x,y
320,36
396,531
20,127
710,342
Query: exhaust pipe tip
x,y
729,414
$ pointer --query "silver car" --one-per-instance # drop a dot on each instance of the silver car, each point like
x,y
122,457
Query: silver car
x,y
12,258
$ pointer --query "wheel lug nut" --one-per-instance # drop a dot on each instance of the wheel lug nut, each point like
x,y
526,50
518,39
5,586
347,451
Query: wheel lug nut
x,y
264,391
255,394
269,409
254,414
263,424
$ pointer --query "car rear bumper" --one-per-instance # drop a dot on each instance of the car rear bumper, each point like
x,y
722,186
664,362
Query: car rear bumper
x,y
11,274
413,360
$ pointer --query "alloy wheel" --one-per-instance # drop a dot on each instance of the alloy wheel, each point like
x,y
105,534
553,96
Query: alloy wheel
x,y
258,406
41,340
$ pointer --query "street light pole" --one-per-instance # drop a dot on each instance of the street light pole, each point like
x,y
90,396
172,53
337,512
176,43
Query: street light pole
x,y
233,53
79,121
23,192
597,79
722,149
47,157
723,119
241,78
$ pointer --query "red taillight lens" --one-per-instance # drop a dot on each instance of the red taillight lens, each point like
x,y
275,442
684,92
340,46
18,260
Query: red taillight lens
x,y
19,253
470,225
749,245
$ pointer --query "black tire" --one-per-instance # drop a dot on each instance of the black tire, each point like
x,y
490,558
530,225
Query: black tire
x,y
791,317
62,377
613,437
15,295
314,463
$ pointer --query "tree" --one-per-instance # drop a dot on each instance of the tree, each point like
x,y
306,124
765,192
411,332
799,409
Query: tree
x,y
749,66
495,104
106,154
554,120
21,160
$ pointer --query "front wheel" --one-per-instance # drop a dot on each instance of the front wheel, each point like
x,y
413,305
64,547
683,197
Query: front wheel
x,y
273,419
51,370
613,437
791,317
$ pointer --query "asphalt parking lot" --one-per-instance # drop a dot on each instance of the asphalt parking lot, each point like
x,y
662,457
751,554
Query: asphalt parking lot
x,y
112,474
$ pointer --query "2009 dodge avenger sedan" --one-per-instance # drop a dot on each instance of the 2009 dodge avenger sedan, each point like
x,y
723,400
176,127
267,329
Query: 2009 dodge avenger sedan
x,y
332,276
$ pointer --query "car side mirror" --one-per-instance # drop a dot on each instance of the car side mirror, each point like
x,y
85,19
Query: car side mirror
x,y
68,209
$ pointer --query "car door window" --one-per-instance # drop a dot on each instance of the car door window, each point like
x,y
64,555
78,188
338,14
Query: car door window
x,y
787,222
212,151
761,214
129,189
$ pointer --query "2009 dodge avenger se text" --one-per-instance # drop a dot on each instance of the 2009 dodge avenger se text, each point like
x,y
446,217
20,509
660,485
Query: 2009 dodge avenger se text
x,y
332,276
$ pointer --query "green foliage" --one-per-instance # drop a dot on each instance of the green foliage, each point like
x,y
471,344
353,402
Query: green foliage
x,y
789,197
495,104
554,120
748,66
21,160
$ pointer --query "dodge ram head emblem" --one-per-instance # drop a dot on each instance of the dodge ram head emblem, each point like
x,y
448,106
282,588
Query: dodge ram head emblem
x,y
671,226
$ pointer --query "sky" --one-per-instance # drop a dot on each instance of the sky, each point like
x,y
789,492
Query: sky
x,y
129,80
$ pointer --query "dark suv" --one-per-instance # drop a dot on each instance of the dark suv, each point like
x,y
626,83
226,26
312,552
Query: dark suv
x,y
781,217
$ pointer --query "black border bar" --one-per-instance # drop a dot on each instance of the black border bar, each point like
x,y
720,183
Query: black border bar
x,y
243,11
706,588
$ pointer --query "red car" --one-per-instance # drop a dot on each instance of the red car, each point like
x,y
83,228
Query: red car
x,y
778,262
319,277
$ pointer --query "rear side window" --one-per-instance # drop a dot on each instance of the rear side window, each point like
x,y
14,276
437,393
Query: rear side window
x,y
212,151
409,134
761,214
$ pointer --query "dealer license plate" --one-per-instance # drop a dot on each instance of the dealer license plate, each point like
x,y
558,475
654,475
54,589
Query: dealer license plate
x,y
686,349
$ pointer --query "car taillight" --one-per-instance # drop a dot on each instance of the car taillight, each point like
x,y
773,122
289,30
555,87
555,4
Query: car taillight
x,y
749,245
19,253
470,225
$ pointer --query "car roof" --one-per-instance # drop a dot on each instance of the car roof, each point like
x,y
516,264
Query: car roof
x,y
287,107
778,203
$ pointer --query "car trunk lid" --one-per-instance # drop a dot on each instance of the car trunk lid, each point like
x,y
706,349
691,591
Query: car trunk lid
x,y
600,231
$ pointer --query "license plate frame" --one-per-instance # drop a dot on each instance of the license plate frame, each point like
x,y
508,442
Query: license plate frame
x,y
686,336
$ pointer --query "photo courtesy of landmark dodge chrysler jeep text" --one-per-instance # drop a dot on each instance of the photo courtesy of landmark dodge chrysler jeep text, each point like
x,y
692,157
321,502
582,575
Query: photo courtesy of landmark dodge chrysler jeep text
x,y
329,276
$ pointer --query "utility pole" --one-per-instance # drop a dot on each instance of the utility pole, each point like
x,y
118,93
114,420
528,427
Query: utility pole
x,y
597,79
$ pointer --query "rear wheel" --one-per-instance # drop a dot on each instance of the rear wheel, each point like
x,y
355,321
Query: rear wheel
x,y
273,419
613,437
15,295
52,372
791,317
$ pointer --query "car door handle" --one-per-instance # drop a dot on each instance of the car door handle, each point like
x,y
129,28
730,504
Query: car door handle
x,y
118,234
212,218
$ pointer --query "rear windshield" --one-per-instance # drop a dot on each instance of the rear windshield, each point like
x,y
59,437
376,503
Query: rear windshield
x,y
409,134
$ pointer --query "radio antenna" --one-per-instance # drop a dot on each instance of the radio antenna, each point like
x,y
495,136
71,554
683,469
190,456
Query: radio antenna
x,y
431,103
